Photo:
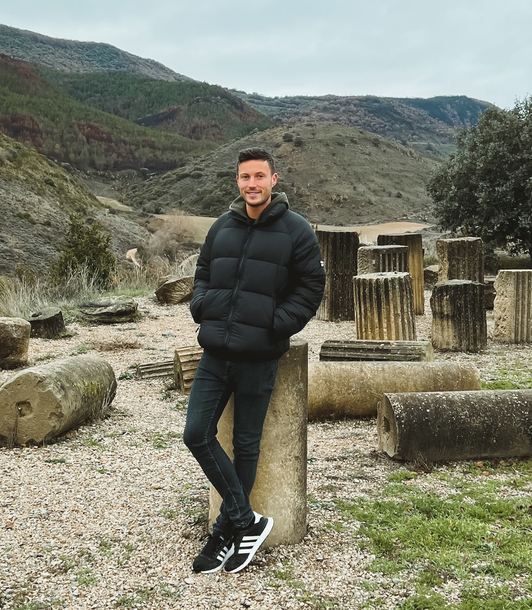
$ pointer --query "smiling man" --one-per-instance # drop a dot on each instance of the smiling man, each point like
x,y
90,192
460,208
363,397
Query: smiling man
x,y
259,280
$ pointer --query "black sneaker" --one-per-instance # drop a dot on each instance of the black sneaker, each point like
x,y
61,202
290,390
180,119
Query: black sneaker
x,y
214,554
247,542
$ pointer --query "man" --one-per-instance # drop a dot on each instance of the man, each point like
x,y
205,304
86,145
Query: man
x,y
259,280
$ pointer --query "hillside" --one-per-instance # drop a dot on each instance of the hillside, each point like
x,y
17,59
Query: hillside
x,y
192,109
426,125
36,199
35,113
332,173
75,56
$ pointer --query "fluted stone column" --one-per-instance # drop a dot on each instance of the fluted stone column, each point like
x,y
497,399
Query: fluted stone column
x,y
384,307
512,310
280,489
339,253
414,241
378,259
460,258
459,316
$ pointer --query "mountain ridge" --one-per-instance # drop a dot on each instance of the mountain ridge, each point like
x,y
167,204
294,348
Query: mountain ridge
x,y
78,56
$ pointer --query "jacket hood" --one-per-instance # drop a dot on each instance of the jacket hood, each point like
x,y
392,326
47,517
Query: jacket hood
x,y
278,204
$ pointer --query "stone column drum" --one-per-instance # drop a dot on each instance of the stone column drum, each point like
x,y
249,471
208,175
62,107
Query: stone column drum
x,y
378,259
460,258
414,241
14,342
459,316
339,252
280,489
384,307
512,310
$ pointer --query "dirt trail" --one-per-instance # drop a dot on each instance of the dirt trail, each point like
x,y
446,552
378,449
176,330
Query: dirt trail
x,y
199,225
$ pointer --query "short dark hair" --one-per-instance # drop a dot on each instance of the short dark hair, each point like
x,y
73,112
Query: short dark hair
x,y
256,154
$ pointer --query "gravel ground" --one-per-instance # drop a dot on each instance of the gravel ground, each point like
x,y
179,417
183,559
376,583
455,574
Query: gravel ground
x,y
110,515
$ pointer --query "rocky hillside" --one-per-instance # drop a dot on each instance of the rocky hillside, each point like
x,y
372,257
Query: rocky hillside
x,y
36,113
194,110
36,199
426,125
75,56
332,173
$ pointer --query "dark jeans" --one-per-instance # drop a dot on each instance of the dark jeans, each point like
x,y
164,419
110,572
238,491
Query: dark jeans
x,y
252,384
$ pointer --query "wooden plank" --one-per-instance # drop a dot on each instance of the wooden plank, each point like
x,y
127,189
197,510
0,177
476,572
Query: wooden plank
x,y
155,369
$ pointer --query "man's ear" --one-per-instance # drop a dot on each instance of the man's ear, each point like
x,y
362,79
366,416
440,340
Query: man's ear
x,y
274,179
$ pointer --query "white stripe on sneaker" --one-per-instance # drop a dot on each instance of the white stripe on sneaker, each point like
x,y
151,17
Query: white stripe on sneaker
x,y
248,545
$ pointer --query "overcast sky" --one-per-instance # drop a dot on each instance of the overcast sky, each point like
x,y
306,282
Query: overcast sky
x,y
408,48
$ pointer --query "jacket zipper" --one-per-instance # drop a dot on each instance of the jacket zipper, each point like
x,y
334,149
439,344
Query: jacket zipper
x,y
235,289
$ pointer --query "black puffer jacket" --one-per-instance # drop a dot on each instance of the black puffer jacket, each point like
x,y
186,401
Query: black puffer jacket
x,y
257,283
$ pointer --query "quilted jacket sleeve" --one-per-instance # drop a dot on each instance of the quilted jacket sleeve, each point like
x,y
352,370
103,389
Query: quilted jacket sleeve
x,y
201,278
307,283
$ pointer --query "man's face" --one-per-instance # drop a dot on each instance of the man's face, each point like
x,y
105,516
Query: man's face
x,y
255,181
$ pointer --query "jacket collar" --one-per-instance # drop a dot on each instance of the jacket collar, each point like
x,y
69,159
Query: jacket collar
x,y
277,207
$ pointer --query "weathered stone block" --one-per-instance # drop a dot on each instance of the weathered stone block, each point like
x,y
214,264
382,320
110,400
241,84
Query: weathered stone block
x,y
42,402
353,389
414,241
384,307
512,311
14,342
460,258
459,316
280,489
339,252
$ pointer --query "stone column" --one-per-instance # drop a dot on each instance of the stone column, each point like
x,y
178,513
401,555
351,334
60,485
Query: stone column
x,y
45,401
512,310
384,307
280,489
339,253
337,390
460,259
378,259
459,316
433,426
414,241
14,342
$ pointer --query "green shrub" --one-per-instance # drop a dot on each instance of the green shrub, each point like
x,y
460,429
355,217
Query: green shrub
x,y
86,247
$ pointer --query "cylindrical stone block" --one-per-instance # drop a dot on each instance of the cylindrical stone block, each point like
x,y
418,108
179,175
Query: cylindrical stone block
x,y
14,342
353,389
459,316
384,307
414,241
280,489
42,402
512,310
433,426
339,253
379,259
460,258
47,324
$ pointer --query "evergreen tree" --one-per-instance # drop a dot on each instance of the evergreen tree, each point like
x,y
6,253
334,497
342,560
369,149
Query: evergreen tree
x,y
485,189
87,248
